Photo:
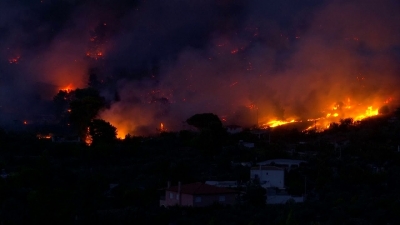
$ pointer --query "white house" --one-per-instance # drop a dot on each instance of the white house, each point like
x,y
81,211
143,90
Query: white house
x,y
246,144
234,129
269,176
283,163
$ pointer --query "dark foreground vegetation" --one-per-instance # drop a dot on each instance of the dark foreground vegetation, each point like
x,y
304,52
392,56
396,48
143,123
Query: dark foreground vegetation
x,y
352,176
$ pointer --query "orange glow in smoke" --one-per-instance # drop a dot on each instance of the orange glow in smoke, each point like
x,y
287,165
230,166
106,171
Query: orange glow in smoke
x,y
68,88
14,60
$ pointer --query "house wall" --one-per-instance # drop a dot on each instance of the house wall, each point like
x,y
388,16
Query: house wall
x,y
183,199
171,199
269,178
234,130
207,200
187,200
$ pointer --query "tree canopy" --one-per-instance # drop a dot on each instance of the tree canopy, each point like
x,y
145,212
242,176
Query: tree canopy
x,y
102,131
85,107
205,121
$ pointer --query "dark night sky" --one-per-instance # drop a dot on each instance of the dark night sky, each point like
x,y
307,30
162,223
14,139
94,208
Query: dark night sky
x,y
171,59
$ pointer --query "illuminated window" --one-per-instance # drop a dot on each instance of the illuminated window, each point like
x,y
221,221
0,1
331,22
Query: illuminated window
x,y
171,195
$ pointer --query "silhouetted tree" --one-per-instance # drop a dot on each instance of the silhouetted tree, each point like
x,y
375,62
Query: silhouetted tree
x,y
345,124
384,109
61,102
102,131
255,195
84,108
212,133
205,121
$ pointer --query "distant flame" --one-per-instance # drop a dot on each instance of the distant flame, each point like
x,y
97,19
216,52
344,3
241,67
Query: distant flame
x,y
44,136
67,88
275,123
14,60
333,114
88,138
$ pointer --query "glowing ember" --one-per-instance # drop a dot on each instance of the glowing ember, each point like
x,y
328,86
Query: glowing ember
x,y
88,138
14,60
44,136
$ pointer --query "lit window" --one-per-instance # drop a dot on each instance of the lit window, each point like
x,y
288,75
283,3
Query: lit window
x,y
177,197
171,195
197,199
221,198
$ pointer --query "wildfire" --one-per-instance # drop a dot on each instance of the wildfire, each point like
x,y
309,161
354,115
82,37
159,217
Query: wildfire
x,y
67,88
88,138
342,112
275,123
333,114
368,113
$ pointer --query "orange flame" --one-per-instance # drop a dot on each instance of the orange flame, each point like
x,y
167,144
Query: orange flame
x,y
67,88
88,138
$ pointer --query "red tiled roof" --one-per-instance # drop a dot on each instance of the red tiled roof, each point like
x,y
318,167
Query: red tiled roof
x,y
200,189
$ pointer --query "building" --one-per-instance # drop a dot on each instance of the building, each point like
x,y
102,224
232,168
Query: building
x,y
197,195
246,144
234,129
287,164
268,176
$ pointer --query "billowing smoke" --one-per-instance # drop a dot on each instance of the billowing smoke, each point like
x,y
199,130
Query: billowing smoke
x,y
247,61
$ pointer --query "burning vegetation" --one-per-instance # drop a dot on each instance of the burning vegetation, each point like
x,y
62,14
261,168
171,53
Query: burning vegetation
x,y
252,71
